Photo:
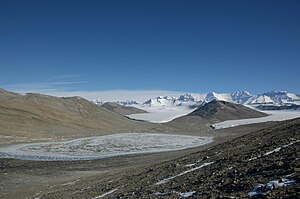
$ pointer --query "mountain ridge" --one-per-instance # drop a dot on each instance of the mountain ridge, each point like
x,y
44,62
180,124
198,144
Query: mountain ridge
x,y
192,100
39,116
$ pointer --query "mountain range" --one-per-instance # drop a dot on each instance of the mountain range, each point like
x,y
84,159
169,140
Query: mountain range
x,y
269,99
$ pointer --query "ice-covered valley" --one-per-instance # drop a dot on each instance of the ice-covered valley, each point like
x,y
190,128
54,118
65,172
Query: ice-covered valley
x,y
102,146
273,116
161,114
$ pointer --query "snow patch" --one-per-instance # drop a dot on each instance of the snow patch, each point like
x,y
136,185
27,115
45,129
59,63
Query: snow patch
x,y
190,165
70,183
180,194
279,148
186,194
105,194
274,150
166,180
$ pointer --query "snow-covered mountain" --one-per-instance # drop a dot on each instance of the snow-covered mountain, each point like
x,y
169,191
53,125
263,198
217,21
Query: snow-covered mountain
x,y
162,101
274,98
239,97
98,101
128,102
194,100
166,108
124,103
189,100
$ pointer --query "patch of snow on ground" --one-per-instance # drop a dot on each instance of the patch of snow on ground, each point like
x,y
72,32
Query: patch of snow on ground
x,y
70,183
186,194
273,116
161,114
102,146
254,158
260,190
180,194
279,148
166,180
105,194
275,150
190,165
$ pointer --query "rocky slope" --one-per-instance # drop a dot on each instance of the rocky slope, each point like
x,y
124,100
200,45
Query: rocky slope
x,y
121,109
215,111
227,170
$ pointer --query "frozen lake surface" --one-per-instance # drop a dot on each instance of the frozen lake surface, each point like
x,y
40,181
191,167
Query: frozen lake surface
x,y
102,146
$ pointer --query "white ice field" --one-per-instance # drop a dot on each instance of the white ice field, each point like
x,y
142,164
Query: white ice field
x,y
102,146
273,116
161,114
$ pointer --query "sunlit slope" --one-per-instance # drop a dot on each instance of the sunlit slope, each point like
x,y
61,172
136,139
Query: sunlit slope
x,y
42,116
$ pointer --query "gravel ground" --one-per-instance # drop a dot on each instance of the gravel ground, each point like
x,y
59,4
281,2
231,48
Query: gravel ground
x,y
227,170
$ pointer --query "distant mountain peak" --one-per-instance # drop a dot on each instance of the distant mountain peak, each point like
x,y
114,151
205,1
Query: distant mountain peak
x,y
276,92
242,93
98,102
186,97
192,100
275,97
127,102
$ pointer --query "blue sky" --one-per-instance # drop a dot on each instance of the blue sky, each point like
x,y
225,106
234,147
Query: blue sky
x,y
190,46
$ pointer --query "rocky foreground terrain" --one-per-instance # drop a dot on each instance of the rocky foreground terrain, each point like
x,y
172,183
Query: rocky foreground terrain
x,y
227,170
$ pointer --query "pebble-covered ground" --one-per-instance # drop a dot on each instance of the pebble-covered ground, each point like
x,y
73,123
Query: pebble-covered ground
x,y
227,170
